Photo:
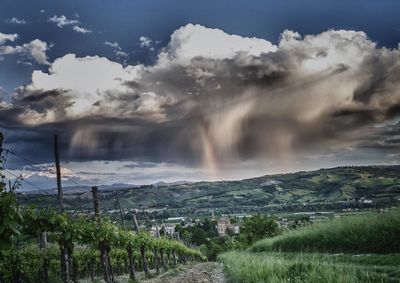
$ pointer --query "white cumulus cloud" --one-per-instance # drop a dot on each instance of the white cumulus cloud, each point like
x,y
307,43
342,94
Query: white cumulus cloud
x,y
36,49
145,42
87,80
192,41
119,52
16,21
4,37
81,29
113,44
62,21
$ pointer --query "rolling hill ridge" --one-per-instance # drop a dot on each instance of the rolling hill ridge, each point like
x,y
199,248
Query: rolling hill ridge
x,y
365,183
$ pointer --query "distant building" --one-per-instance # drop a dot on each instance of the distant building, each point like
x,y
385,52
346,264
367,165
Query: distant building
x,y
283,222
236,229
178,220
155,230
365,200
223,225
169,229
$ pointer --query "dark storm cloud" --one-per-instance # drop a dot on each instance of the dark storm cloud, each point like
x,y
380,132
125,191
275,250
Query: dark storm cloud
x,y
43,101
381,72
195,106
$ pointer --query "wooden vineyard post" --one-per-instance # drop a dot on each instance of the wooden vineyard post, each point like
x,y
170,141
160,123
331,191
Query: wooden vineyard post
x,y
130,251
1,143
104,259
120,209
132,272
65,260
157,231
156,260
58,172
43,247
162,255
174,258
96,204
135,223
144,260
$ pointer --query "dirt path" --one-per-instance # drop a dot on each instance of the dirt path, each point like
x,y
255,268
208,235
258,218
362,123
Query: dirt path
x,y
206,272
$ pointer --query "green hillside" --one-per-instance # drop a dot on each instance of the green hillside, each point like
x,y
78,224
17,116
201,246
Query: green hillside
x,y
376,233
361,248
379,184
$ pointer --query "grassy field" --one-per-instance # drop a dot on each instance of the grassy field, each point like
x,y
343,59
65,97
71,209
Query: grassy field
x,y
362,248
366,233
311,268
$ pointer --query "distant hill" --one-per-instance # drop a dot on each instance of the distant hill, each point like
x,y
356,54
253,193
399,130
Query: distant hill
x,y
362,184
79,189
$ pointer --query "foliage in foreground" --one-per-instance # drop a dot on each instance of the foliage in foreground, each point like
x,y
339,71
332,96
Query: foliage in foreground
x,y
369,233
311,268
269,260
72,247
29,262
93,248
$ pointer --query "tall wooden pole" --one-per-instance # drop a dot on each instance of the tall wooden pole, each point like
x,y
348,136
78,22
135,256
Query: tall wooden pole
x,y
65,257
135,223
120,209
57,159
157,231
104,257
1,143
96,205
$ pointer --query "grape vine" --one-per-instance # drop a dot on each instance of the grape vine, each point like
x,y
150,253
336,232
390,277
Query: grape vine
x,y
48,246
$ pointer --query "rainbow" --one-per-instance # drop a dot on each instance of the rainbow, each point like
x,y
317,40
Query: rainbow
x,y
209,156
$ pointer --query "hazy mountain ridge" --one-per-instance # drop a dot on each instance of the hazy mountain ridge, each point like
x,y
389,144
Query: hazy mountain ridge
x,y
373,183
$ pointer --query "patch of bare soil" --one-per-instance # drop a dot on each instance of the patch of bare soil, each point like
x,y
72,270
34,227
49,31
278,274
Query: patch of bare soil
x,y
205,272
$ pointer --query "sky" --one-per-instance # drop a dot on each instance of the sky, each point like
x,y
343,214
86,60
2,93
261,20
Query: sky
x,y
148,91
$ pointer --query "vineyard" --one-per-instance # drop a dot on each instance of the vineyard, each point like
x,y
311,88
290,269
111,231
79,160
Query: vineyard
x,y
54,246
51,247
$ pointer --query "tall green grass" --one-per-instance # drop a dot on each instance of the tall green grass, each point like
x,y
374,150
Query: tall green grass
x,y
277,268
310,254
367,233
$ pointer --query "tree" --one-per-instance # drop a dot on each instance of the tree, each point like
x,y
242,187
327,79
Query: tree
x,y
187,236
209,227
198,236
258,227
11,217
214,248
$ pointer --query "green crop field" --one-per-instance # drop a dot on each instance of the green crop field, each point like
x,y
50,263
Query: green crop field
x,y
365,233
311,268
361,248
